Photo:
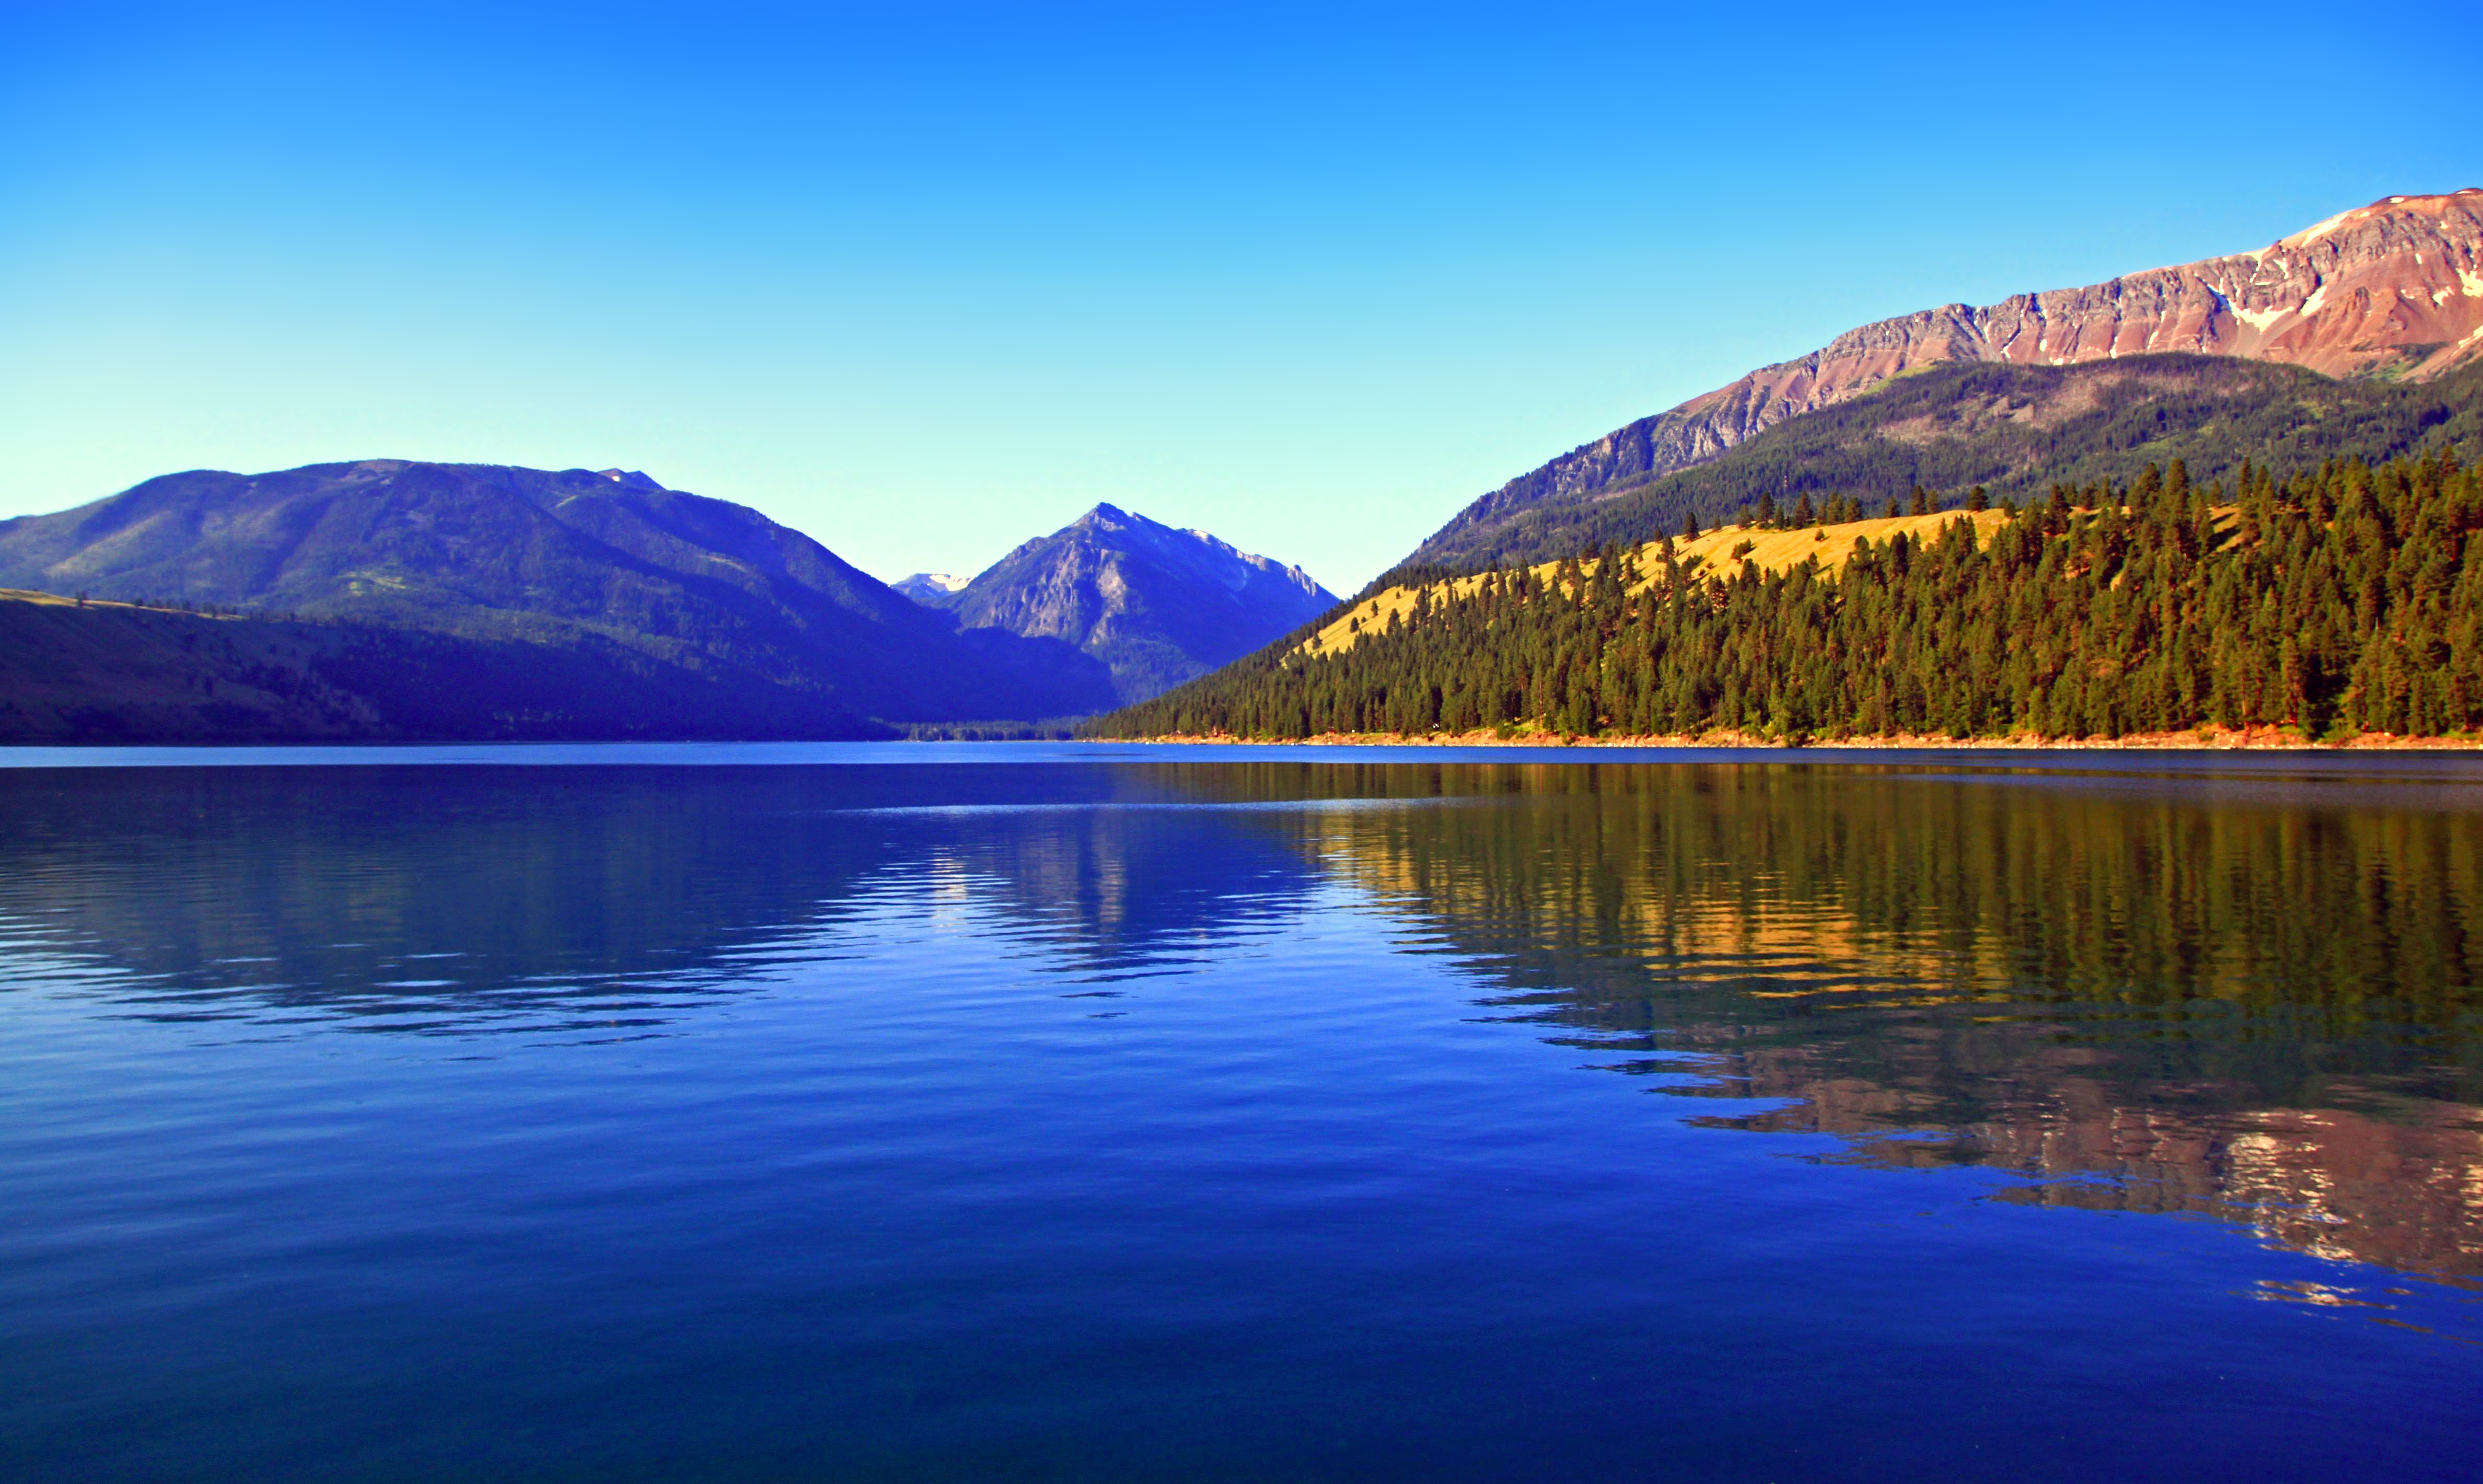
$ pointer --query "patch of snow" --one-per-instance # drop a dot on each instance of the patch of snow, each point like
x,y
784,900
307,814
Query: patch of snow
x,y
2258,319
2438,296
2313,234
2472,280
2311,305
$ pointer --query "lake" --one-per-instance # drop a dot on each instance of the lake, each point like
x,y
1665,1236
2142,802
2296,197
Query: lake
x,y
916,1112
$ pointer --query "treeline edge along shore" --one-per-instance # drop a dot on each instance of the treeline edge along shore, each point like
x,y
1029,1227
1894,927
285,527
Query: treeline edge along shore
x,y
2335,602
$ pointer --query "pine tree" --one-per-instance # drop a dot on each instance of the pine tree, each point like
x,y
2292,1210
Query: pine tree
x,y
2338,599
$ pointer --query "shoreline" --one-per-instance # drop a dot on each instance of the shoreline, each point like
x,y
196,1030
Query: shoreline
x,y
2271,739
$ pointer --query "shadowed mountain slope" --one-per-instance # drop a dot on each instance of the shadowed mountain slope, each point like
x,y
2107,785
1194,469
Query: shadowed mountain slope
x,y
115,672
2393,290
605,564
1158,605
2015,430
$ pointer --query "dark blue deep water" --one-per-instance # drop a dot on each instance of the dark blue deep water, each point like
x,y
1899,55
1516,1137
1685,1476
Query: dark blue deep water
x,y
1101,1114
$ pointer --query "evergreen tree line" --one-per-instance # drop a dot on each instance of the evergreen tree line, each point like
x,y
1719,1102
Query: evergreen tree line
x,y
2332,601
1838,510
1953,427
213,610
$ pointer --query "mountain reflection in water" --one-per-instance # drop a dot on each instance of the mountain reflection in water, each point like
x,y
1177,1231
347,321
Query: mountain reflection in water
x,y
2254,998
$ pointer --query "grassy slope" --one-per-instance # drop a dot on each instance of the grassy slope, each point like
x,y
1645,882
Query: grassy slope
x,y
2017,429
1771,551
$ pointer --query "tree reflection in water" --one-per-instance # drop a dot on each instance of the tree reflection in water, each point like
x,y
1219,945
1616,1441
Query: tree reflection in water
x,y
2249,998
2250,995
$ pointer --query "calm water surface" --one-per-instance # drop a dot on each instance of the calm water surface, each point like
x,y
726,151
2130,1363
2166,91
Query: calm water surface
x,y
1059,1113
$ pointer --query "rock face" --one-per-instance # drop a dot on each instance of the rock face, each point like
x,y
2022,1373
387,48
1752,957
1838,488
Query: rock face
x,y
2394,288
1158,605
654,581
2017,429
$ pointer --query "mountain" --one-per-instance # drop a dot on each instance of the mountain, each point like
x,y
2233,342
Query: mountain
x,y
609,570
102,671
2392,290
2335,602
933,590
1157,605
2013,430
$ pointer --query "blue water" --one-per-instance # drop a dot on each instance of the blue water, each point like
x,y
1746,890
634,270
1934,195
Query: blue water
x,y
976,1112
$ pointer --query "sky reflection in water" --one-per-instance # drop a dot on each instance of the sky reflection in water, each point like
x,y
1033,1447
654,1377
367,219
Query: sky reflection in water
x,y
1242,1118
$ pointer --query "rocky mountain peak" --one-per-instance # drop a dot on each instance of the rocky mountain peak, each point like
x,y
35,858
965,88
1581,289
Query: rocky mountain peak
x,y
2394,288
2345,222
1156,603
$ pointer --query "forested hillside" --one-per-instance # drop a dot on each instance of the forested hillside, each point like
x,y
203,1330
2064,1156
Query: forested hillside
x,y
2335,600
2385,294
96,672
2014,429
580,569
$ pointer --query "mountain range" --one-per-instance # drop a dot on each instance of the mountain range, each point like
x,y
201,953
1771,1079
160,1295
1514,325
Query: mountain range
x,y
1156,605
611,571
2240,495
393,597
2014,431
399,598
2388,292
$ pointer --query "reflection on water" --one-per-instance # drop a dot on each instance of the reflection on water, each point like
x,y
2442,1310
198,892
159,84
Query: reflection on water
x,y
2245,996
2250,1001
1377,1118
471,899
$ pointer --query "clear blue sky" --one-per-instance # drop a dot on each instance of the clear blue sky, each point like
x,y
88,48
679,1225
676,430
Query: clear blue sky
x,y
925,279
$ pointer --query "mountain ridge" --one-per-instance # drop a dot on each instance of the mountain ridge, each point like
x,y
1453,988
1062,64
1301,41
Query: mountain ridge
x,y
561,559
1157,604
2329,604
2015,430
2391,288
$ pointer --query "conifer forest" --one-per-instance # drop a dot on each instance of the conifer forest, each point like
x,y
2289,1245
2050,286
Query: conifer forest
x,y
2337,600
